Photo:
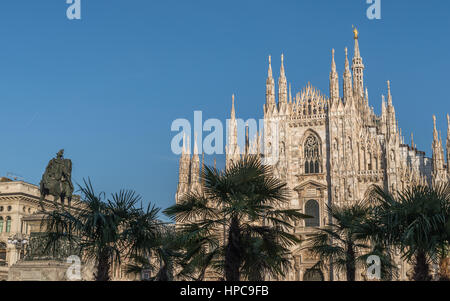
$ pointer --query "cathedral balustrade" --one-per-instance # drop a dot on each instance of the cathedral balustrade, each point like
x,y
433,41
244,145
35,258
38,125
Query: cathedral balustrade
x,y
370,175
302,121
305,117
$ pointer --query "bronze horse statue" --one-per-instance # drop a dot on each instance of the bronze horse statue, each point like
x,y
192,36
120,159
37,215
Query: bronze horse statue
x,y
56,180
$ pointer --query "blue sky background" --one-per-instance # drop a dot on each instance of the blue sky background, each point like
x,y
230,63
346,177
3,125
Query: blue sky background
x,y
107,88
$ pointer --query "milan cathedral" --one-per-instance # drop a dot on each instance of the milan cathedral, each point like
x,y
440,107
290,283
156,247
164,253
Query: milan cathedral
x,y
330,150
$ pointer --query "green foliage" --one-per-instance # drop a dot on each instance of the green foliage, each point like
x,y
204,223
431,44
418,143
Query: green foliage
x,y
416,222
105,230
345,243
243,206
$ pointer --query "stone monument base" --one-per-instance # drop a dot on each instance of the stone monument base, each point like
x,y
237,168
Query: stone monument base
x,y
38,270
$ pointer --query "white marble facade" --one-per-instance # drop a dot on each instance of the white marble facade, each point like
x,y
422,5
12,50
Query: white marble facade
x,y
332,149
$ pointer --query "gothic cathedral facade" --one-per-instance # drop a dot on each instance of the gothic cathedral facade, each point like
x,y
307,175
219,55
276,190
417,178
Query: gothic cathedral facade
x,y
330,150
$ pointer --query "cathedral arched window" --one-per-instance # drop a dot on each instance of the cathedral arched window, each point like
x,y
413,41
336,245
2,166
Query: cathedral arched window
x,y
312,155
312,209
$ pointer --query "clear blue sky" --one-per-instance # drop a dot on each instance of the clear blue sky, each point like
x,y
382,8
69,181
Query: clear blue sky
x,y
108,87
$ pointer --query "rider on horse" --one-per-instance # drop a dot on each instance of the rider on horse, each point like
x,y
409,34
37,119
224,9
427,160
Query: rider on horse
x,y
57,180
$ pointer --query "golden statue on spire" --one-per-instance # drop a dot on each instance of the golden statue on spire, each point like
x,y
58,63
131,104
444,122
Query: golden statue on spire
x,y
355,32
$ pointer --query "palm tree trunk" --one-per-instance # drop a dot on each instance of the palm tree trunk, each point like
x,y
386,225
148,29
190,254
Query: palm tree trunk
x,y
103,266
421,268
233,256
256,276
163,274
350,265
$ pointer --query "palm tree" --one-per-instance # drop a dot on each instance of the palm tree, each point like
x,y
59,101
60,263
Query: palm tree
x,y
416,222
264,257
344,243
158,255
202,252
104,231
247,202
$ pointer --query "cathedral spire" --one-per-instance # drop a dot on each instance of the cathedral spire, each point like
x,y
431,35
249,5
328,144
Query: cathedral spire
x,y
188,146
232,139
357,67
389,93
195,145
347,64
282,84
232,148
333,62
233,110
435,132
270,87
347,81
195,168
183,172
391,118
334,81
438,156
269,73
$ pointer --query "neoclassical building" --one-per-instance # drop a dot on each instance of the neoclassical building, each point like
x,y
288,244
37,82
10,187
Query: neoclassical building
x,y
19,201
330,150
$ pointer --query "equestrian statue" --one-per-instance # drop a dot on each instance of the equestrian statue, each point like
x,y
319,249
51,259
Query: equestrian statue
x,y
57,180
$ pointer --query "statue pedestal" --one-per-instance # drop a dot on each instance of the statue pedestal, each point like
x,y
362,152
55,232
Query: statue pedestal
x,y
36,270
46,270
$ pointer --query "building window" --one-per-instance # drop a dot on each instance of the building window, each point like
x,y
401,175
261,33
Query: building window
x,y
8,224
312,209
2,254
1,208
1,224
9,208
312,155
